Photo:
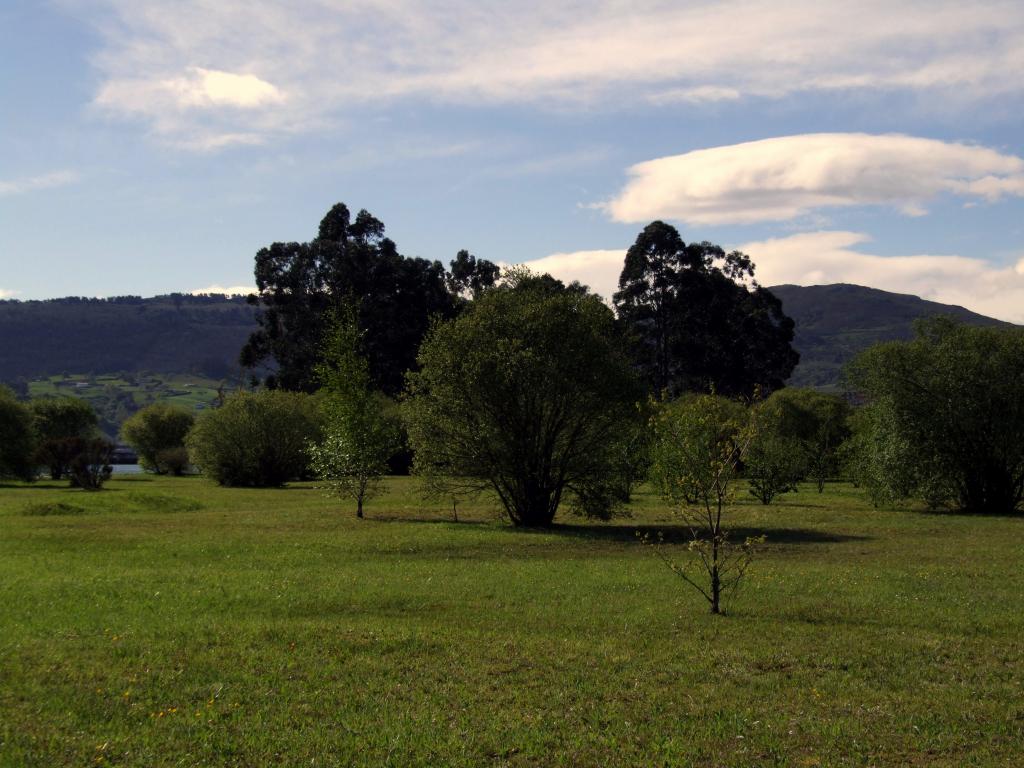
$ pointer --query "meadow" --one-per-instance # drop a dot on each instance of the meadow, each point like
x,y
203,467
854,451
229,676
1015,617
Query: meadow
x,y
169,622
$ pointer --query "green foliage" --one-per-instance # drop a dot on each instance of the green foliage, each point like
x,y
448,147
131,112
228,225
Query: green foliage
x,y
695,324
529,394
155,432
17,437
700,442
819,423
361,427
60,422
776,459
256,439
947,416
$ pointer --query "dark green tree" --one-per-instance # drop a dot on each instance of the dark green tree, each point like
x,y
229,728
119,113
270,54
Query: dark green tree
x,y
695,324
818,423
300,285
17,437
59,423
946,416
529,394
155,432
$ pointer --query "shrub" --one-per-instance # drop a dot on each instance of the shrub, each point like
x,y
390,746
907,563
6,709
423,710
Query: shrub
x,y
59,423
155,432
256,439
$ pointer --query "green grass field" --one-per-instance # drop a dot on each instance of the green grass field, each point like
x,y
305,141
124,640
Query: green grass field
x,y
170,622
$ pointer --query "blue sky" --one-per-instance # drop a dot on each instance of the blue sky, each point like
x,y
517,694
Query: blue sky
x,y
153,146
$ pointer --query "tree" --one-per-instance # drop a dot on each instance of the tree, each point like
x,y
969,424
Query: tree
x,y
361,430
256,439
301,285
946,415
60,422
154,432
470,275
695,325
528,394
776,459
17,437
818,423
699,444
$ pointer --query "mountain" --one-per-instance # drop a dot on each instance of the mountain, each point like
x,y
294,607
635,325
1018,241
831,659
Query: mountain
x,y
835,322
174,334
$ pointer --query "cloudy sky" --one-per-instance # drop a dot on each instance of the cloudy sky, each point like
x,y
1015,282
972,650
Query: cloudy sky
x,y
150,146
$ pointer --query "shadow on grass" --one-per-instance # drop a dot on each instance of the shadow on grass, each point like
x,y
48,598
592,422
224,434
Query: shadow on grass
x,y
680,534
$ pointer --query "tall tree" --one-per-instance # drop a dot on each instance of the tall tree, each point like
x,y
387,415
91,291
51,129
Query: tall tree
x,y
300,285
61,423
695,323
17,437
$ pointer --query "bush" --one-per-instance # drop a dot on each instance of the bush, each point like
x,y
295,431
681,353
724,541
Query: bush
x,y
90,464
946,416
157,433
256,439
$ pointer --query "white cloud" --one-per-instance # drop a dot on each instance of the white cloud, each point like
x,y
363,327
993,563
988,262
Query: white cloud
x,y
36,183
8,294
817,258
599,269
229,290
333,56
783,178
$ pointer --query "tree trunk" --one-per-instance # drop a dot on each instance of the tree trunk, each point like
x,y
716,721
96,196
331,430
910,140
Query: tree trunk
x,y
535,504
359,506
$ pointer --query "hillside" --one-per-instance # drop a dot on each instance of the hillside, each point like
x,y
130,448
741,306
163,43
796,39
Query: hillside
x,y
200,336
176,334
835,322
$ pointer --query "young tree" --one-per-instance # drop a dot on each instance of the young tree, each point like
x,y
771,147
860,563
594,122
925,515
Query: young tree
x,y
700,441
947,415
818,423
59,423
776,458
256,439
695,325
529,394
17,437
361,429
155,432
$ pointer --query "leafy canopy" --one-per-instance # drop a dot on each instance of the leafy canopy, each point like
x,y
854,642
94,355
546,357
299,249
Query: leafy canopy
x,y
528,394
946,416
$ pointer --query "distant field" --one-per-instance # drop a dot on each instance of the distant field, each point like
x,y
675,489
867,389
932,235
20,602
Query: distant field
x,y
117,396
170,622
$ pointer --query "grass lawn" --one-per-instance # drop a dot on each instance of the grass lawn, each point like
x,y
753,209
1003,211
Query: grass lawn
x,y
170,622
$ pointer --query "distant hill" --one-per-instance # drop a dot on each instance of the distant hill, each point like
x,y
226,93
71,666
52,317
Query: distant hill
x,y
835,322
201,336
175,334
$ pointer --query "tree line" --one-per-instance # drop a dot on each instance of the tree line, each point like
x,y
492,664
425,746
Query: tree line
x,y
547,396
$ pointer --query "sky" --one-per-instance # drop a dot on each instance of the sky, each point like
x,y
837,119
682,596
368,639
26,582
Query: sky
x,y
153,146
